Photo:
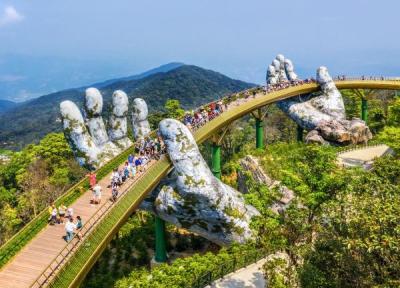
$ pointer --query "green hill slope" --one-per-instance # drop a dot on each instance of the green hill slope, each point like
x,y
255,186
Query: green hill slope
x,y
6,105
191,85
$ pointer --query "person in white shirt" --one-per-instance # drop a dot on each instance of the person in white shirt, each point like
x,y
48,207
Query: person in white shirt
x,y
97,194
70,212
69,229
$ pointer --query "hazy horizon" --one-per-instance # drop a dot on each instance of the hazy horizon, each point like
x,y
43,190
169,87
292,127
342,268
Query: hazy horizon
x,y
52,46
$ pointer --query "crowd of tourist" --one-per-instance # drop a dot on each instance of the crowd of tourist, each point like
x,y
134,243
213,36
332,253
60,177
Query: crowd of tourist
x,y
196,119
61,215
344,77
146,150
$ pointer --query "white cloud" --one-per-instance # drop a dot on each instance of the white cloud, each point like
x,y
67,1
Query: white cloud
x,y
11,78
10,15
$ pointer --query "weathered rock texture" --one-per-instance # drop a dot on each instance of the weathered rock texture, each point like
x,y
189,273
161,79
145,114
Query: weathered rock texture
x,y
250,167
193,198
141,126
322,114
88,138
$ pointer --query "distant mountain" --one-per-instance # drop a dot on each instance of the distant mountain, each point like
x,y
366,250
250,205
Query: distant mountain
x,y
6,105
191,85
161,69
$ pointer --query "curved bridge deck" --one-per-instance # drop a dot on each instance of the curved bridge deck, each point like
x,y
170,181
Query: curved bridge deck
x,y
47,261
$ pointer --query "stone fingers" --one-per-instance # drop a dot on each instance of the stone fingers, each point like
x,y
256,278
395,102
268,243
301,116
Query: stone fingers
x,y
280,59
94,121
331,102
289,68
77,135
118,120
140,124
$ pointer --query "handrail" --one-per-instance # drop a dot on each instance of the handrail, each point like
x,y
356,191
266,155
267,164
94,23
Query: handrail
x,y
279,95
359,147
237,262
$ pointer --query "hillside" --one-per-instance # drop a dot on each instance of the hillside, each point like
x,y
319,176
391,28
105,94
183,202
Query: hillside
x,y
191,85
6,105
161,69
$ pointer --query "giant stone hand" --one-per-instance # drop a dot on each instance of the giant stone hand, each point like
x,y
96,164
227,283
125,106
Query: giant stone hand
x,y
88,138
193,198
322,114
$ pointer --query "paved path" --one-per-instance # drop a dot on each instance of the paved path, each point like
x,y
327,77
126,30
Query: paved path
x,y
248,277
30,262
363,156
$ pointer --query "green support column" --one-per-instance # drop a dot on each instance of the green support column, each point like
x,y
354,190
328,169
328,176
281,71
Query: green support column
x,y
300,132
364,109
259,133
216,160
161,249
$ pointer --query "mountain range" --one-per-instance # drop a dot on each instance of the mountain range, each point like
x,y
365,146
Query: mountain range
x,y
29,121
6,105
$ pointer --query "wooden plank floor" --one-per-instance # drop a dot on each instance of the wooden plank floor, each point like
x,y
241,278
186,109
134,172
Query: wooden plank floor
x,y
29,263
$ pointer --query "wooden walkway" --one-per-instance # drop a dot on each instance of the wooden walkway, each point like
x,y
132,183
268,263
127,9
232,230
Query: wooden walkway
x,y
30,262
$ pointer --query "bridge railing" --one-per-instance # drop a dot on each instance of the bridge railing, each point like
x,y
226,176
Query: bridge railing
x,y
366,78
231,265
358,147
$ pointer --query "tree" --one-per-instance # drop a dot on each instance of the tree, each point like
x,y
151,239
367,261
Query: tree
x,y
394,113
391,137
173,108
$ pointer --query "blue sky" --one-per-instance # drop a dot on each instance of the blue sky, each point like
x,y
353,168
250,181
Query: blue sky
x,y
47,45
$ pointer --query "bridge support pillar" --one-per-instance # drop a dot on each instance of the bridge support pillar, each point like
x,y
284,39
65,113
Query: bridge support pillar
x,y
161,247
216,160
364,110
300,132
259,133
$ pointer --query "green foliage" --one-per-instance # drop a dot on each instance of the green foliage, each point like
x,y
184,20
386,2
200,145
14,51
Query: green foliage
x,y
32,179
358,245
187,272
390,136
394,113
173,109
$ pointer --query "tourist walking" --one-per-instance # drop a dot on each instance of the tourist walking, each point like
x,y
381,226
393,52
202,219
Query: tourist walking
x,y
126,170
53,214
114,193
92,179
61,211
97,194
70,213
78,226
69,229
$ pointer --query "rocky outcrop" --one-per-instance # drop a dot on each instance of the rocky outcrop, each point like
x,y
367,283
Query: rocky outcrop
x,y
323,114
88,138
251,168
193,198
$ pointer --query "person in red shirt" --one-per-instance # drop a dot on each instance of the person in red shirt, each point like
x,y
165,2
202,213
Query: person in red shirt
x,y
92,179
